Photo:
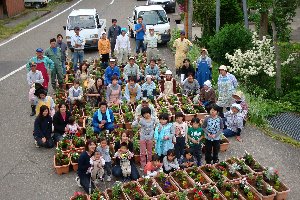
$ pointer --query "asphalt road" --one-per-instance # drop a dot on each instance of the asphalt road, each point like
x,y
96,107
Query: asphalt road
x,y
27,172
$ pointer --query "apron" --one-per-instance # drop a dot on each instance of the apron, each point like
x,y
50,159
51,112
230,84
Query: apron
x,y
41,103
203,72
168,87
114,96
133,93
41,67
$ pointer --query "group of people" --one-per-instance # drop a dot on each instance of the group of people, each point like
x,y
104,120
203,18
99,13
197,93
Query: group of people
x,y
177,144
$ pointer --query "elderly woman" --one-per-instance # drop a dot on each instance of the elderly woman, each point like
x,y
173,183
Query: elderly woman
x,y
168,84
204,67
191,86
60,121
96,93
114,92
149,88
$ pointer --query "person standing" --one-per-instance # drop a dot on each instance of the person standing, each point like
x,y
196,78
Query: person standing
x,y
77,42
182,46
113,32
63,47
122,47
151,42
204,68
43,64
104,49
54,53
140,30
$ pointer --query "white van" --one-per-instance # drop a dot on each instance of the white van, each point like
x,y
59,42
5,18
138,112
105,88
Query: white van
x,y
153,15
90,27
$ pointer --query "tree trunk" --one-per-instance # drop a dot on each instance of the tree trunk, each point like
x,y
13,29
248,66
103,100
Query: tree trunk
x,y
245,14
218,5
263,26
190,19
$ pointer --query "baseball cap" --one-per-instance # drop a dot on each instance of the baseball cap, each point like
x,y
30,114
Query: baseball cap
x,y
76,28
40,50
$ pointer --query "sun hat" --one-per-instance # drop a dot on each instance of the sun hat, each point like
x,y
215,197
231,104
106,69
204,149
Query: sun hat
x,y
151,28
223,67
40,50
204,50
239,94
237,106
124,29
169,72
131,58
207,83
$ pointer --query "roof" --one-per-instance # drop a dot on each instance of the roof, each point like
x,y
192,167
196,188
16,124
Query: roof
x,y
83,12
149,8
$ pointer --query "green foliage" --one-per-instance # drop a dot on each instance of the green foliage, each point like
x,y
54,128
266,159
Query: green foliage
x,y
230,12
175,34
223,41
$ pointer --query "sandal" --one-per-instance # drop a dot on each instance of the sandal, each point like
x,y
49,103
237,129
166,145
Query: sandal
x,y
238,138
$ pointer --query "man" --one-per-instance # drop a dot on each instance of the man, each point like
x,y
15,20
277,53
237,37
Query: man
x,y
140,30
104,49
133,91
113,32
54,53
151,42
43,64
182,46
190,86
63,47
110,71
131,70
145,103
122,47
77,42
204,68
103,118
153,70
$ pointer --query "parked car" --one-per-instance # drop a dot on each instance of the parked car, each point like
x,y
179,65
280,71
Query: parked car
x,y
168,5
36,3
90,27
154,16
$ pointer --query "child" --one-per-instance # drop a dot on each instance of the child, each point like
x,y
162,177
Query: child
x,y
234,122
147,124
153,167
170,162
104,150
181,130
75,92
239,98
33,76
195,135
163,135
212,127
188,159
124,155
97,162
72,128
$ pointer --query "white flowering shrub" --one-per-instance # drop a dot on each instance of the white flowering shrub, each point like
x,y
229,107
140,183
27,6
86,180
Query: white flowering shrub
x,y
259,59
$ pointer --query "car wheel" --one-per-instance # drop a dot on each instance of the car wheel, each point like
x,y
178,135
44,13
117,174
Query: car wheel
x,y
37,5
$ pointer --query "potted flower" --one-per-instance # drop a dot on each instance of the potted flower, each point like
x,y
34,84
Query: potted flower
x,y
189,112
265,190
78,143
115,109
196,193
166,183
229,171
74,160
128,117
126,108
136,148
224,143
244,170
214,174
246,191
252,163
115,193
65,145
178,196
212,193
181,179
197,175
61,162
150,187
118,120
227,190
162,197
133,191
79,196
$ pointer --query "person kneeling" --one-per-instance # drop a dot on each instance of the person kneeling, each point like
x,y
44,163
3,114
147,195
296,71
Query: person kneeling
x,y
103,118
234,122
153,167
170,162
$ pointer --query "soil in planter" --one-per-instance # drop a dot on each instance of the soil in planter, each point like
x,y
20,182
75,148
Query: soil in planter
x,y
183,181
166,185
190,196
133,191
197,176
119,197
148,188
255,168
225,172
209,196
223,191
263,191
281,187
241,192
208,172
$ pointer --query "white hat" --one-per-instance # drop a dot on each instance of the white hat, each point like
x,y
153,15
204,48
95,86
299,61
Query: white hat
x,y
169,72
237,106
239,94
207,83
148,76
112,60
223,67
204,50
151,27
103,32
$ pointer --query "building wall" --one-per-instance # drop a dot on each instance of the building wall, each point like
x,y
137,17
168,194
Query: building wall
x,y
14,7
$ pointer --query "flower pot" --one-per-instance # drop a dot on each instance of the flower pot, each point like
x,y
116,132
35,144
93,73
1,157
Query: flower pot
x,y
208,195
64,169
194,173
231,177
283,194
85,197
108,193
225,145
167,185
148,189
133,189
74,166
191,196
174,196
262,194
185,184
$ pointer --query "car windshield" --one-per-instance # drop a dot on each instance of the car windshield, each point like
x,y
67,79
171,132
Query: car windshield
x,y
154,17
82,21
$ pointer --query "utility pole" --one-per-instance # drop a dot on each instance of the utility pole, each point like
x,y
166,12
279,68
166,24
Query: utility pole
x,y
186,18
245,14
190,19
218,5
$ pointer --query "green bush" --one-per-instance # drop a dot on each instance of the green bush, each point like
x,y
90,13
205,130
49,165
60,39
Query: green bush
x,y
175,34
228,39
230,12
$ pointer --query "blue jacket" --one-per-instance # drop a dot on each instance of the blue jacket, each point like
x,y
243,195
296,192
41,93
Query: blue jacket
x,y
96,121
43,127
109,72
161,145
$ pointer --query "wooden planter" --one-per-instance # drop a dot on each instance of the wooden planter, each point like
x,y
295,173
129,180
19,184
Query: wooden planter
x,y
189,183
224,146
64,169
262,196
85,197
151,183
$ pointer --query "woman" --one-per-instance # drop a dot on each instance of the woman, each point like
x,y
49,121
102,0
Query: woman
x,y
60,121
96,93
114,92
190,86
43,128
82,74
133,91
168,85
104,49
84,167
204,67
43,99
186,69
116,170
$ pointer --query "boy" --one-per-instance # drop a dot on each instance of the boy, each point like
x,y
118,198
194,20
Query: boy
x,y
152,168
188,160
125,156
104,150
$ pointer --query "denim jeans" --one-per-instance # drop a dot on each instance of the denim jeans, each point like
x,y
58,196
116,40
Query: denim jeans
x,y
77,57
117,172
139,44
229,133
146,149
63,65
107,168
48,144
179,147
57,137
197,152
85,181
212,146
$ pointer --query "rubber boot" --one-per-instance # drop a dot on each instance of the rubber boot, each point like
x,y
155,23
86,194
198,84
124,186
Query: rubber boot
x,y
32,110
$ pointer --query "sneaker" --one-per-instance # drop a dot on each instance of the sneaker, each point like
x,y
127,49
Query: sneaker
x,y
108,179
141,168
77,179
36,144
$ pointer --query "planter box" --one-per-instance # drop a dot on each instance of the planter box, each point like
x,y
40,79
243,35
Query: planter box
x,y
132,186
229,176
108,193
225,145
262,195
188,117
283,194
149,187
64,169
168,186
200,176
173,196
188,184
191,193
85,197
208,195
74,166
201,115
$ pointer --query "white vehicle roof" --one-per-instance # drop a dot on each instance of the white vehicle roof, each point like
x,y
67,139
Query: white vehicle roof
x,y
149,8
83,12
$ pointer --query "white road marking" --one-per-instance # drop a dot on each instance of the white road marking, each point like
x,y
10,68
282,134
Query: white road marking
x,y
111,2
19,35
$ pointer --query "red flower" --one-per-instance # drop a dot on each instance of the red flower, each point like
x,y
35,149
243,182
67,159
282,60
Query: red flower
x,y
78,134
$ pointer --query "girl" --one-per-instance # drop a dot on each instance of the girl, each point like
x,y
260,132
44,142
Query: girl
x,y
43,128
153,167
104,150
212,127
170,162
149,88
147,124
75,92
60,121
180,138
239,98
163,135
96,93
188,159
97,162
72,128
114,92
234,122
43,99
186,69
195,136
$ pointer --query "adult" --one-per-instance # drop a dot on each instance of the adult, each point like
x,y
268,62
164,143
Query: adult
x,y
84,167
42,99
77,42
182,46
239,98
43,64
145,103
168,84
82,73
203,68
63,46
60,121
153,70
104,49
151,40
133,91
113,32
190,86
54,53
95,94
186,68
43,128
103,118
140,29
226,88
110,71
114,92
207,95
122,47
149,88
131,70
116,170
